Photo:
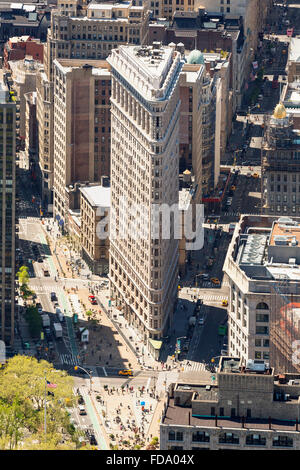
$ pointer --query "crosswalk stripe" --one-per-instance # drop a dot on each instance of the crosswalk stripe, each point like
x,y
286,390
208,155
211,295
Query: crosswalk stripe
x,y
68,359
194,366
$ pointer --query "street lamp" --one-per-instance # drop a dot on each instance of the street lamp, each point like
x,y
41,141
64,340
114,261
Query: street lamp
x,y
88,373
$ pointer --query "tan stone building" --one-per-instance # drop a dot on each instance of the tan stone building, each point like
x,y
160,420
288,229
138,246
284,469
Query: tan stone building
x,y
31,137
239,407
45,118
293,62
90,31
145,107
94,237
81,129
169,7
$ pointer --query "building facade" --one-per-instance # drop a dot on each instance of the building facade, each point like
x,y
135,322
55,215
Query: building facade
x,y
92,31
245,408
8,214
145,107
94,238
262,266
280,158
81,129
18,48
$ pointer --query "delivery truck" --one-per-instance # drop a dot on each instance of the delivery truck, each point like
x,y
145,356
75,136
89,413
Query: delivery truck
x,y
57,330
45,320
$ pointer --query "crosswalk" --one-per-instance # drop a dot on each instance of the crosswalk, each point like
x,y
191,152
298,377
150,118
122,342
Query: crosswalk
x,y
193,366
237,214
68,359
215,298
210,284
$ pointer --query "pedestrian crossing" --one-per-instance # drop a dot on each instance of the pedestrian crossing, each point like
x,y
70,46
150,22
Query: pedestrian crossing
x,y
237,214
212,297
68,359
193,366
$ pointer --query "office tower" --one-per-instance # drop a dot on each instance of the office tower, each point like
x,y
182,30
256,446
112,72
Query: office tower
x,y
81,130
7,219
145,108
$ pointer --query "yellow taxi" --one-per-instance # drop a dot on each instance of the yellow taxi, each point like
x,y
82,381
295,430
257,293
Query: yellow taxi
x,y
224,303
125,372
215,280
233,188
255,175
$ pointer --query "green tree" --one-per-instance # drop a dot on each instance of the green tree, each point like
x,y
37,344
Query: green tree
x,y
22,400
23,278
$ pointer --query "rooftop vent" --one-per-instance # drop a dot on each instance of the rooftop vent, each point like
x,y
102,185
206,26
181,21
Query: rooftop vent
x,y
280,240
255,365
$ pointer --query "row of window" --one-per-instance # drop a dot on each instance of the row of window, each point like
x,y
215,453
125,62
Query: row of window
x,y
231,438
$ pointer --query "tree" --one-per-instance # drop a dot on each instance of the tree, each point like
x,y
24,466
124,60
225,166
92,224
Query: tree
x,y
22,400
23,278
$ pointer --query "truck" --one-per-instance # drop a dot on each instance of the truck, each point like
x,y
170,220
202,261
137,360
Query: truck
x,y
192,321
45,320
57,330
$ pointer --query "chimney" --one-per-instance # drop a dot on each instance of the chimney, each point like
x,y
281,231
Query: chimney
x,y
270,422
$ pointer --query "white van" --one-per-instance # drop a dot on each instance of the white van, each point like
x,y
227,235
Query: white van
x,y
61,317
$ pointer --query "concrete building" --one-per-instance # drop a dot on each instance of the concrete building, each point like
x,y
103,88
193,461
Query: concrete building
x,y
81,130
17,48
31,135
293,61
94,210
262,265
45,119
210,32
8,214
280,164
145,110
23,19
91,31
169,7
23,74
245,407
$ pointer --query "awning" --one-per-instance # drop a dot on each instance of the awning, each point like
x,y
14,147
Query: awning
x,y
155,343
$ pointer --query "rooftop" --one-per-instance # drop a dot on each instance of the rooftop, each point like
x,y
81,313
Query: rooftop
x,y
97,196
178,415
294,50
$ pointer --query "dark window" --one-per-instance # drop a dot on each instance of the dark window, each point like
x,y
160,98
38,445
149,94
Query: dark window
x,y
248,413
221,411
233,412
255,440
200,436
213,411
282,441
228,438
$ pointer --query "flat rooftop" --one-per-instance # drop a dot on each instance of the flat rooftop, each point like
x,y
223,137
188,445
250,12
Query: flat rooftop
x,y
177,415
97,196
283,233
294,50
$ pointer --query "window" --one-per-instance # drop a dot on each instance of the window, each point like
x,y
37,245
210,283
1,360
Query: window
x,y
255,440
262,318
228,438
200,436
262,306
282,441
262,330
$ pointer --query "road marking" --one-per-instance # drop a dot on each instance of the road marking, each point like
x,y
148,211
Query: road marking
x,y
104,370
148,382
194,366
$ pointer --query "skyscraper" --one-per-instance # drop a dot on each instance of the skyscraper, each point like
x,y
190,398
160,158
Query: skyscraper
x,y
145,107
7,204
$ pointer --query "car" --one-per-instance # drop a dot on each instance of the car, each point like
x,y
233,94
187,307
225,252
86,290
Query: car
x,y
46,273
248,175
260,97
233,188
53,296
224,303
80,400
93,440
40,310
92,299
224,352
255,175
125,372
82,410
201,321
50,345
215,280
228,202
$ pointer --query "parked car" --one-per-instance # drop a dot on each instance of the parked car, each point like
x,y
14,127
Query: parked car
x,y
53,296
82,410
125,372
92,299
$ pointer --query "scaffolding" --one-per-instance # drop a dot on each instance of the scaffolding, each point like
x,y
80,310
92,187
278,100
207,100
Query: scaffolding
x,y
284,325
